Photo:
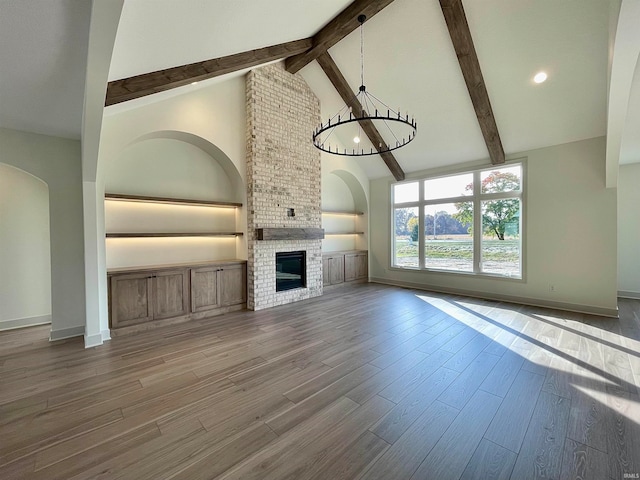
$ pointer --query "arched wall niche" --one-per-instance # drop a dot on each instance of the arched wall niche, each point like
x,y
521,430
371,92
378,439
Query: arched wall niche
x,y
173,164
341,191
25,253
233,190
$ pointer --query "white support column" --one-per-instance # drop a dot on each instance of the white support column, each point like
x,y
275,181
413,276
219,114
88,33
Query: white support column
x,y
105,16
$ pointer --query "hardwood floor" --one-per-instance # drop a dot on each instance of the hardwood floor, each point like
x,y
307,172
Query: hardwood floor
x,y
366,382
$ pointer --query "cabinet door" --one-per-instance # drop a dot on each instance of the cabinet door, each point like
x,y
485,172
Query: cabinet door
x,y
204,289
326,277
362,265
170,294
131,299
336,269
232,284
350,262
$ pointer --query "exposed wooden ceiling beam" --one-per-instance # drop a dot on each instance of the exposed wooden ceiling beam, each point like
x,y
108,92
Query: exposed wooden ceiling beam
x,y
338,28
146,84
460,34
340,83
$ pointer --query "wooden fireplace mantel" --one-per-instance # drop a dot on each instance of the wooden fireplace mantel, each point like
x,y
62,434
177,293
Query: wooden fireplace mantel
x,y
289,233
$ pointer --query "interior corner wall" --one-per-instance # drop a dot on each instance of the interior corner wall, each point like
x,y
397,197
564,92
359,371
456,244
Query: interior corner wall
x,y
569,235
57,161
25,260
629,231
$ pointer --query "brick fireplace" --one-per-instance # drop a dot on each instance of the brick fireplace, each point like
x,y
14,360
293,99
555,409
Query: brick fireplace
x,y
283,182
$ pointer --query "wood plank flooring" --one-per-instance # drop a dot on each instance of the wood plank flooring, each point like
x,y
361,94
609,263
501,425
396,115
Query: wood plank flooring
x,y
366,382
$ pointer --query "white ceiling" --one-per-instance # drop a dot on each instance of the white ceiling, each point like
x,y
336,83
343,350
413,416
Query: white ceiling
x,y
43,58
409,63
157,34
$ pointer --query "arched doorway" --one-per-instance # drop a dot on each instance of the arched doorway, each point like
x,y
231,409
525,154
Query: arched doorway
x,y
25,249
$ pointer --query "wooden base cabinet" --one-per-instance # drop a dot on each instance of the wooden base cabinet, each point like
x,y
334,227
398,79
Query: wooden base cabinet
x,y
143,297
130,299
340,267
232,284
355,266
148,296
218,286
170,292
332,269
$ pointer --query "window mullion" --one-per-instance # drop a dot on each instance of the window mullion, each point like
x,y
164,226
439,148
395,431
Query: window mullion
x,y
501,195
477,222
421,227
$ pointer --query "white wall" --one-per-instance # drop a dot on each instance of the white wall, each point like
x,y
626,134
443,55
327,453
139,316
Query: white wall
x,y
629,230
25,262
57,162
171,168
569,235
213,110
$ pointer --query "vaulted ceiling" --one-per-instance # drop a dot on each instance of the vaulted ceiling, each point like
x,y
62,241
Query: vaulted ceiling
x,y
43,58
410,63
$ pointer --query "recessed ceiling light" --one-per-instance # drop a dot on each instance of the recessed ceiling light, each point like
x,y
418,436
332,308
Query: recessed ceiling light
x,y
194,83
540,77
356,139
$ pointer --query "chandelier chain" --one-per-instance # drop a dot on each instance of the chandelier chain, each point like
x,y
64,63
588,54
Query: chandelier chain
x,y
361,53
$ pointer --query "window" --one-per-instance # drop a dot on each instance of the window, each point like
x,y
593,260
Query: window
x,y
469,222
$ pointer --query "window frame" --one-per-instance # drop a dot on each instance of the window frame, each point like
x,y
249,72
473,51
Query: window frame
x,y
477,198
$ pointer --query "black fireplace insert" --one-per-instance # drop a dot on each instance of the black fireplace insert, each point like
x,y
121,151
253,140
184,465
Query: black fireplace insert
x,y
291,271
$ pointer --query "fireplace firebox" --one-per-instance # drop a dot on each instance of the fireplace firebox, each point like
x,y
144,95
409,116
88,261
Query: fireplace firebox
x,y
291,270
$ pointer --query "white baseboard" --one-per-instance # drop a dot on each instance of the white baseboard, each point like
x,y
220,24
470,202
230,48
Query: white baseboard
x,y
536,302
91,341
98,339
66,333
25,322
626,294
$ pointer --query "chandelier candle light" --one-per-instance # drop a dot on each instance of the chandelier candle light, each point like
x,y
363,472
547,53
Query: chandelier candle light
x,y
372,110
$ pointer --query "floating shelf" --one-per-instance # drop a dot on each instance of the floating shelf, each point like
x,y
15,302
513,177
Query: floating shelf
x,y
181,234
344,233
342,212
171,201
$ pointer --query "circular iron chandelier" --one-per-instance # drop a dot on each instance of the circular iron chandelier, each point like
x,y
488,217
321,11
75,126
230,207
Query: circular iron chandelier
x,y
373,111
